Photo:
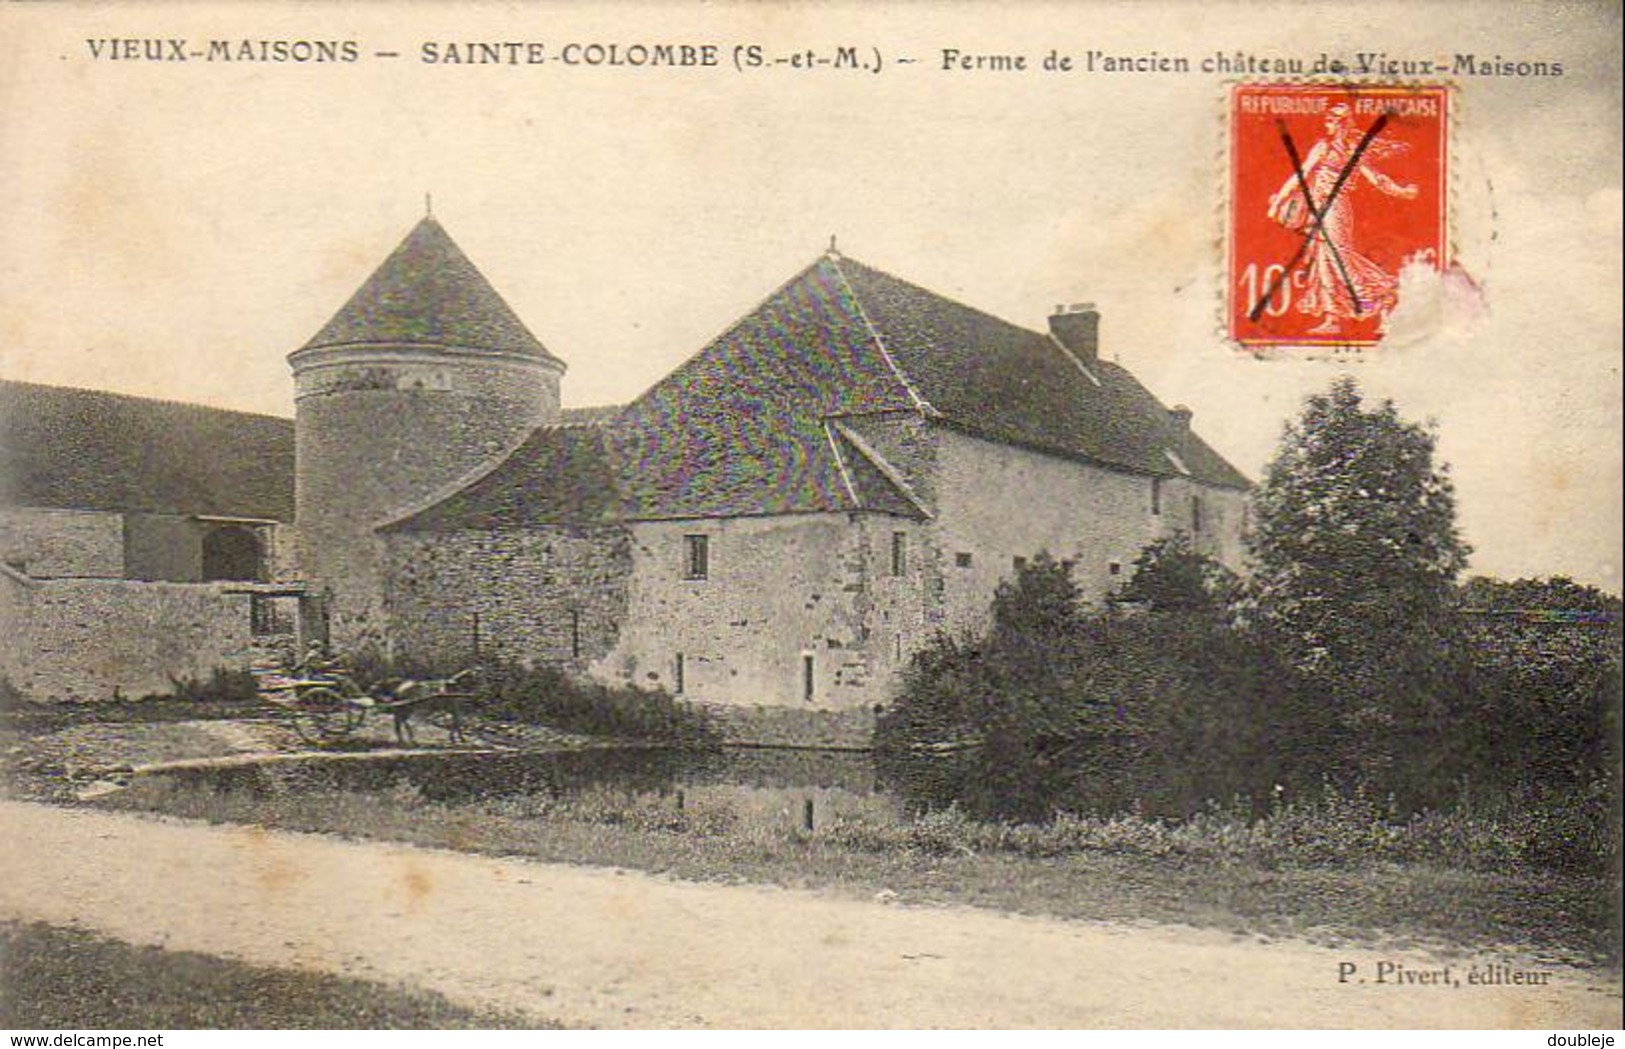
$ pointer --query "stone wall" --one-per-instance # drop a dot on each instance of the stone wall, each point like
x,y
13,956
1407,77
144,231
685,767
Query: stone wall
x,y
998,503
549,596
163,547
90,639
810,612
1219,528
47,542
282,554
15,589
380,431
796,727
788,602
170,547
615,601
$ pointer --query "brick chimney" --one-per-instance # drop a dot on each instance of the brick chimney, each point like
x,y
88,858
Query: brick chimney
x,y
1181,416
1077,327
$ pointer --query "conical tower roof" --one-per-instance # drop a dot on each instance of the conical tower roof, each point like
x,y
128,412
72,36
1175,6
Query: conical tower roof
x,y
428,293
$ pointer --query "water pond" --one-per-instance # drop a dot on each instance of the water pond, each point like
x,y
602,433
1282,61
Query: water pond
x,y
800,788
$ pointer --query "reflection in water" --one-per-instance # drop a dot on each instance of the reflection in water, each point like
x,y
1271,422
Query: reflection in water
x,y
800,788
1108,782
805,789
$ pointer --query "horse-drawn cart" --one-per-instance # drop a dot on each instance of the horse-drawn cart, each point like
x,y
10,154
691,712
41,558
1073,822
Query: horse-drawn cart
x,y
329,706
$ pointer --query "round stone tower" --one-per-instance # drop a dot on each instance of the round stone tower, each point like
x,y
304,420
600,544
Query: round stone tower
x,y
424,377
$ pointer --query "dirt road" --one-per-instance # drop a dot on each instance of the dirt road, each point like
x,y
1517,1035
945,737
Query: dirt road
x,y
604,948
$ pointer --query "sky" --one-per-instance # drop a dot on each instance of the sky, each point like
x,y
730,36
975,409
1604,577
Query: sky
x,y
176,229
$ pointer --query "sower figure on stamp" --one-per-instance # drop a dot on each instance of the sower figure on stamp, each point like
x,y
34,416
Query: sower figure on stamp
x,y
1340,283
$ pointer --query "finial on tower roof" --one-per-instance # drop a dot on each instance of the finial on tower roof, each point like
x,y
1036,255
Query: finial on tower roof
x,y
833,251
428,205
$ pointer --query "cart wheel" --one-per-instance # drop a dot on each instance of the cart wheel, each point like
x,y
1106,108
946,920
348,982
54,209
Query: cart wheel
x,y
322,716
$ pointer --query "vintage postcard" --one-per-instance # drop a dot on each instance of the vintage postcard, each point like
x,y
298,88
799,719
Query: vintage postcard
x,y
810,515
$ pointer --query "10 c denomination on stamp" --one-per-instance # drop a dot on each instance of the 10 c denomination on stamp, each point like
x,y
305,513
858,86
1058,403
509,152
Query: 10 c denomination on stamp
x,y
1334,189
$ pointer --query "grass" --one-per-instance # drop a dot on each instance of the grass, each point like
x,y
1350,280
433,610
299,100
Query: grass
x,y
190,702
1123,869
1338,828
55,978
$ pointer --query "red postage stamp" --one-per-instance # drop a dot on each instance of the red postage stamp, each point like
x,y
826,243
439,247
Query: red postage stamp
x,y
1334,189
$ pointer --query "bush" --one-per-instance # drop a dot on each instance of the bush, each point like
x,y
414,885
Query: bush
x,y
1061,708
547,696
221,686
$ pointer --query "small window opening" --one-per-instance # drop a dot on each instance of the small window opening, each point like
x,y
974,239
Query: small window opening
x,y
962,559
696,557
899,553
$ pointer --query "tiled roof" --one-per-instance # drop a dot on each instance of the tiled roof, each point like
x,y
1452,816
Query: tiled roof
x,y
739,428
750,424
559,475
1004,382
67,448
427,293
736,429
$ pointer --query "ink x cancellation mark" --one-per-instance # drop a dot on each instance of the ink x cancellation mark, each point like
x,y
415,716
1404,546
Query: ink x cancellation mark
x,y
1334,189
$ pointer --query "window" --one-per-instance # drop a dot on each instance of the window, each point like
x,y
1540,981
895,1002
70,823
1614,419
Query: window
x,y
696,557
575,633
807,678
962,559
1018,562
899,553
1196,514
1156,496
677,675
1114,567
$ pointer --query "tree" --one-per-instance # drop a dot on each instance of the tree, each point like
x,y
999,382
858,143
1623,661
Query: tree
x,y
1012,720
1057,707
1171,575
1355,555
1548,660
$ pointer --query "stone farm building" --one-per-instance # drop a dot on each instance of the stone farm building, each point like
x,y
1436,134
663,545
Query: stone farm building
x,y
140,540
849,468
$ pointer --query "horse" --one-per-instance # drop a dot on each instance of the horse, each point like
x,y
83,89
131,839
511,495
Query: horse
x,y
408,697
